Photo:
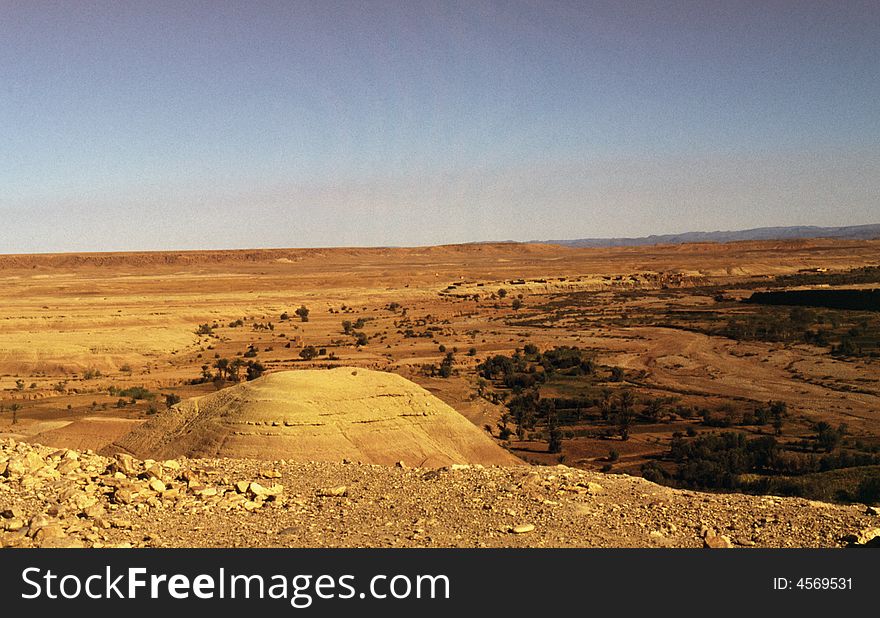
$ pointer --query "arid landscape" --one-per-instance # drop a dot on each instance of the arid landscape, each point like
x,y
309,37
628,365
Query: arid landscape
x,y
331,366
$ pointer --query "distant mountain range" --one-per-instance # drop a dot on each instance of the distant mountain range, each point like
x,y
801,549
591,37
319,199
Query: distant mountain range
x,y
851,232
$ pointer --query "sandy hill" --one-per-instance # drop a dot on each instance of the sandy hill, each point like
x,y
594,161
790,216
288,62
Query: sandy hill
x,y
318,415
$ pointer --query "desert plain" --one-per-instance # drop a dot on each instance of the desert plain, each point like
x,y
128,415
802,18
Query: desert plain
x,y
99,352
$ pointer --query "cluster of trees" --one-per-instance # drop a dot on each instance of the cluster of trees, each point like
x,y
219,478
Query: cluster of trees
x,y
731,460
529,368
352,329
445,369
846,334
527,411
773,413
231,370
525,372
302,313
716,460
310,352
134,393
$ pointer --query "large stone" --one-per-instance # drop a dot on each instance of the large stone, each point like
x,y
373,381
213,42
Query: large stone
x,y
266,492
15,468
594,488
68,466
10,513
717,541
125,464
94,511
123,495
867,535
83,501
13,525
333,492
50,531
34,462
62,542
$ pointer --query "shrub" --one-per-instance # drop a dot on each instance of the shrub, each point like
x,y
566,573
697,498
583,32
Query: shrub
x,y
254,370
869,490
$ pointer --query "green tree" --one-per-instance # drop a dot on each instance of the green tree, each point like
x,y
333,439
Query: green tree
x,y
235,368
554,433
504,431
303,313
778,411
654,408
254,370
625,413
222,367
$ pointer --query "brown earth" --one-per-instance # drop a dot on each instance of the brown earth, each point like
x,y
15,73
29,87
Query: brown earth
x,y
78,329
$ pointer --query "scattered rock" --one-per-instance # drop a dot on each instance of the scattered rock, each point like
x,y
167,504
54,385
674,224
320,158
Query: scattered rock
x,y
865,537
74,499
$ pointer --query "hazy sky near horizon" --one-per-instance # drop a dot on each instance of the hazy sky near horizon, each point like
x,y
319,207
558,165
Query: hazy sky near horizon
x,y
173,125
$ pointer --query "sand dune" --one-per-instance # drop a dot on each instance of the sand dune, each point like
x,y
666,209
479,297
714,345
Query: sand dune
x,y
318,415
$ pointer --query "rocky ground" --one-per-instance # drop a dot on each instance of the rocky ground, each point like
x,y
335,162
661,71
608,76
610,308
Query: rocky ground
x,y
65,498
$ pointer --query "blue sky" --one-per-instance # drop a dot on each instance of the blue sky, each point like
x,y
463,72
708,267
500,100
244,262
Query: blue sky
x,y
171,125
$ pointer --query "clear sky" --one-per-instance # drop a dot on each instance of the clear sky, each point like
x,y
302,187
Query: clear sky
x,y
170,125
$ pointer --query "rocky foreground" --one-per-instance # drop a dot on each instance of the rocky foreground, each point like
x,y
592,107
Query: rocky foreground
x,y
65,498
